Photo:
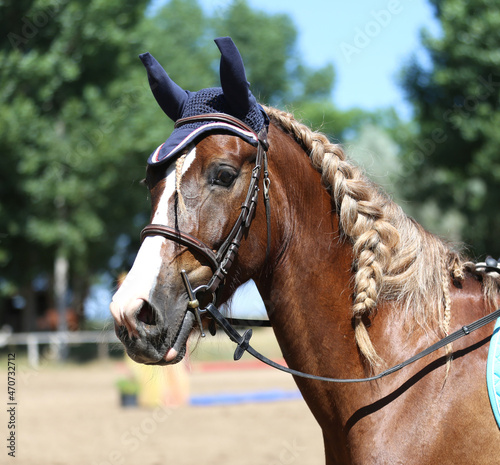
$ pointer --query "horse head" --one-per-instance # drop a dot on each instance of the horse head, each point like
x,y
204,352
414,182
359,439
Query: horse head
x,y
198,180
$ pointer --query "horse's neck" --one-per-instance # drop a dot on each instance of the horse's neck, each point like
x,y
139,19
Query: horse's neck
x,y
309,293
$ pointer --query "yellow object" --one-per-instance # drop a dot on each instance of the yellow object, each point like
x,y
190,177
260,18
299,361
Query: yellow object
x,y
168,385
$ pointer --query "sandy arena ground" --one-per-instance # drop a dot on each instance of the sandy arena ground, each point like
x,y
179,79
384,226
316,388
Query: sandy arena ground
x,y
70,415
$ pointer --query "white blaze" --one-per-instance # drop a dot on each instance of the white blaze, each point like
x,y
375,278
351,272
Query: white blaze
x,y
141,279
161,213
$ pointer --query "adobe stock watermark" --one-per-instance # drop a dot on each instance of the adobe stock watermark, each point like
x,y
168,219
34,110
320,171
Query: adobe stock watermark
x,y
364,35
453,117
132,438
288,454
32,23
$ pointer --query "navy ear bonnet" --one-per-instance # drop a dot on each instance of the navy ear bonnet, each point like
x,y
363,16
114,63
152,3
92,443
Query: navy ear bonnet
x,y
233,98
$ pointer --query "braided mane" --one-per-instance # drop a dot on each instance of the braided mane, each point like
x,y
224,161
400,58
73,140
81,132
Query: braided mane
x,y
395,259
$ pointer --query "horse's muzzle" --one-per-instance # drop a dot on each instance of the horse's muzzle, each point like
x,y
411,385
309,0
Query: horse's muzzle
x,y
146,335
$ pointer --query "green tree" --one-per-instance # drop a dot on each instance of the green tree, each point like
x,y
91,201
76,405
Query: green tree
x,y
453,155
63,142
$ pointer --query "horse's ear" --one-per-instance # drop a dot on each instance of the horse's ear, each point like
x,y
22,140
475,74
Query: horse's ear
x,y
168,94
233,78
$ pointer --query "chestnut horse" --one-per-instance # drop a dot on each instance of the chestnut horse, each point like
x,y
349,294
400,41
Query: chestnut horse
x,y
351,285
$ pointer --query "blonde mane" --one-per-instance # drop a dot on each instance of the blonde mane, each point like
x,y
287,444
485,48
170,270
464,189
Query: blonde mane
x,y
395,259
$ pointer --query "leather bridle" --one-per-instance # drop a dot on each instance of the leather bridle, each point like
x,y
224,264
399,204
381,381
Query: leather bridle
x,y
222,260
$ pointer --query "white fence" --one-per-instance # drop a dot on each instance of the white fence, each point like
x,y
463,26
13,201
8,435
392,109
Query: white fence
x,y
56,339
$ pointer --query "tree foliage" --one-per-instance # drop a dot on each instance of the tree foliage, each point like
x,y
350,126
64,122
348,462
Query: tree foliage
x,y
64,99
453,156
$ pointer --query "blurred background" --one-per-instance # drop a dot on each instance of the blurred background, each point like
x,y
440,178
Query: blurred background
x,y
412,88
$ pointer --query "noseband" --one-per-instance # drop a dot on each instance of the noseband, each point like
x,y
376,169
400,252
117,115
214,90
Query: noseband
x,y
221,261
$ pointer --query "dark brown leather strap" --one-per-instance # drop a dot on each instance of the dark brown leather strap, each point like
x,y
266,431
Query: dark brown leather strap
x,y
221,117
182,238
229,249
243,344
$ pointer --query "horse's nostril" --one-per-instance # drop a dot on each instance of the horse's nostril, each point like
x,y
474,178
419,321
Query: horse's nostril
x,y
147,314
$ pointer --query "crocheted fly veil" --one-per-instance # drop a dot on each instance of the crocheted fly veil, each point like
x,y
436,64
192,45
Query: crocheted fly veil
x,y
233,98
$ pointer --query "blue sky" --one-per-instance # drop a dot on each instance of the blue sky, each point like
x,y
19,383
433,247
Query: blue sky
x,y
368,41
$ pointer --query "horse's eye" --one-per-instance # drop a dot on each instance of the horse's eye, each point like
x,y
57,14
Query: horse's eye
x,y
224,177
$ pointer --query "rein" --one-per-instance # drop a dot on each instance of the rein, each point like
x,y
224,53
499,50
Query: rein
x,y
221,261
243,345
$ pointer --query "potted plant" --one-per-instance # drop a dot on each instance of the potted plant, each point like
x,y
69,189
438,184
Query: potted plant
x,y
129,389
